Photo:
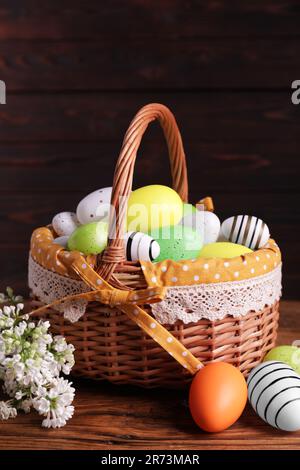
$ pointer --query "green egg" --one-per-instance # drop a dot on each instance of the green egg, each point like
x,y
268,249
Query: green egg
x,y
90,239
188,209
287,354
177,243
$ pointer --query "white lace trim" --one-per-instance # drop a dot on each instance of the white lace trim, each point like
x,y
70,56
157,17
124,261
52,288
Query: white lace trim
x,y
215,301
186,303
49,286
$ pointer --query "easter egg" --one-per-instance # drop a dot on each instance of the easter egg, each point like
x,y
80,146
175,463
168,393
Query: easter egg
x,y
89,238
223,250
62,241
65,223
205,222
274,394
188,210
140,246
246,230
288,354
177,243
95,206
218,395
152,207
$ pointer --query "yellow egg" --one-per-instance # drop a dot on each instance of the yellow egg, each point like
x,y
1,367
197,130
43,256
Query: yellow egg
x,y
152,207
223,250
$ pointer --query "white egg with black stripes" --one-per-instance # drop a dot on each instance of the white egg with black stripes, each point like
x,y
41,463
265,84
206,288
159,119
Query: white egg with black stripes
x,y
274,394
140,246
246,230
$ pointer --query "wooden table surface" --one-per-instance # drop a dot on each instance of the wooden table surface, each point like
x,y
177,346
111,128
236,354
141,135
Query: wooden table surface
x,y
114,417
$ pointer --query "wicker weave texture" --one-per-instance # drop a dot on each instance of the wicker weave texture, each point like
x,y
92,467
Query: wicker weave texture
x,y
111,347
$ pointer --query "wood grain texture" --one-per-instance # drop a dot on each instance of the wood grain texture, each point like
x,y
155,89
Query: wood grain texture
x,y
261,165
79,19
219,116
157,64
77,71
112,417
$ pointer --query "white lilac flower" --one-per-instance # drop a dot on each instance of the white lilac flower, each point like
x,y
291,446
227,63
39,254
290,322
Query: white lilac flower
x,y
25,405
6,410
30,363
42,405
19,395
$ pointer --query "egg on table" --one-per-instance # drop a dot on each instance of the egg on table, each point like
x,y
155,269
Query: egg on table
x,y
274,394
246,230
95,206
65,223
288,354
177,243
140,246
223,250
151,207
89,239
218,396
205,222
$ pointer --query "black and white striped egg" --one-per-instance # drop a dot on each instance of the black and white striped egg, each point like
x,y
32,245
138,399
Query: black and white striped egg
x,y
274,393
246,230
140,246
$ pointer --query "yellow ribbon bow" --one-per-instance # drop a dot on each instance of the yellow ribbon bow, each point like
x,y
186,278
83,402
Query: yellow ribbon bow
x,y
129,302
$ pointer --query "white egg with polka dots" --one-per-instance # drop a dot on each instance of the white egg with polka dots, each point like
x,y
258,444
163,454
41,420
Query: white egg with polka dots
x,y
95,206
65,223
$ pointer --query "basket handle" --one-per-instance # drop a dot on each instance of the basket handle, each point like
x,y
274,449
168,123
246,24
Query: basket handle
x,y
123,177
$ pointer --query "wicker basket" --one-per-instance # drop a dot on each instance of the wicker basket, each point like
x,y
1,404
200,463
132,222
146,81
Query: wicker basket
x,y
108,344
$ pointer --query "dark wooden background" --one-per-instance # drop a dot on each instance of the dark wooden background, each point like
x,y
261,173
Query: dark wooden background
x,y
76,72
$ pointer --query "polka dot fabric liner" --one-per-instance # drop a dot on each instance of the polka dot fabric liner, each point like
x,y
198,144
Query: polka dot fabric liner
x,y
213,270
165,273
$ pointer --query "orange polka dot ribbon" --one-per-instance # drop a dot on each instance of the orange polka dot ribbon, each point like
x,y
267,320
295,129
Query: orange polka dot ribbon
x,y
206,203
213,270
129,302
165,273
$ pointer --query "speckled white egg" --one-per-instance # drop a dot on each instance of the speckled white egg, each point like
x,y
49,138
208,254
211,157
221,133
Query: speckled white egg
x,y
65,223
95,206
140,246
274,393
62,241
246,230
205,222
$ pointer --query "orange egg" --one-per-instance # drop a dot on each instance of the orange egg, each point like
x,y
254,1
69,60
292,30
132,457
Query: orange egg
x,y
218,395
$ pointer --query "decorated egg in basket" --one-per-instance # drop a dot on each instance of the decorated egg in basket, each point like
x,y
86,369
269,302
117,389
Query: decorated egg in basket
x,y
246,230
65,223
205,222
140,246
177,243
152,207
95,206
90,238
